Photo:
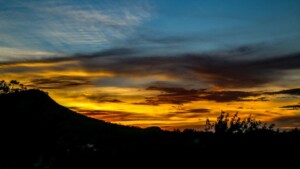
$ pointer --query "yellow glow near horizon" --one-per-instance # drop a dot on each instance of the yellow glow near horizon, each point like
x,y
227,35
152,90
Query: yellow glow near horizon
x,y
263,111
129,108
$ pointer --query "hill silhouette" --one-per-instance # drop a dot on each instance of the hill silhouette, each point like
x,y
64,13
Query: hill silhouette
x,y
36,132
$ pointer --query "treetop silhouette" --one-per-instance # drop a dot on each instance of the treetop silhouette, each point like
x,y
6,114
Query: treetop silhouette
x,y
11,87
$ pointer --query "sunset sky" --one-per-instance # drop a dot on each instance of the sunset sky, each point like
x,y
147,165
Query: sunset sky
x,y
166,63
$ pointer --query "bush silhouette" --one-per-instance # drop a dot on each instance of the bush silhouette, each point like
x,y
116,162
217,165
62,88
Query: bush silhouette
x,y
235,125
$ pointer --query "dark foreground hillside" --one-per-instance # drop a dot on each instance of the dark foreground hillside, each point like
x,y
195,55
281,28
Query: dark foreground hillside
x,y
36,132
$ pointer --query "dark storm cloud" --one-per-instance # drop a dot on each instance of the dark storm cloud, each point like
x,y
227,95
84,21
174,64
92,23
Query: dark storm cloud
x,y
295,91
199,110
177,95
214,69
247,73
172,96
291,107
60,82
169,84
181,96
220,71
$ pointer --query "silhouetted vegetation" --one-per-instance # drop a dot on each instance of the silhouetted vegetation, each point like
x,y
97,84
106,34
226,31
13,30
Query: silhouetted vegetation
x,y
224,125
11,87
36,132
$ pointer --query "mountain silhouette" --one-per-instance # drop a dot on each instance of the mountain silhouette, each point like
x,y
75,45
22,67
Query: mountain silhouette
x,y
36,132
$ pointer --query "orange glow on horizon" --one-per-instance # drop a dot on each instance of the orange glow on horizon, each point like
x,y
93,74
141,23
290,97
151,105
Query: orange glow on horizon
x,y
126,105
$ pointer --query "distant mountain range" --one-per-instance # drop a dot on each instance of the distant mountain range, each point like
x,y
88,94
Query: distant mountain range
x,y
36,132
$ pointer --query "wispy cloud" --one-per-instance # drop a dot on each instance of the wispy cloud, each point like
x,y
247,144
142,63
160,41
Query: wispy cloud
x,y
60,82
92,25
14,54
101,98
181,96
109,115
191,113
66,26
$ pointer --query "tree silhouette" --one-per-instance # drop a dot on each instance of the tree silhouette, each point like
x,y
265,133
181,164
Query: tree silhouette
x,y
4,88
11,87
12,83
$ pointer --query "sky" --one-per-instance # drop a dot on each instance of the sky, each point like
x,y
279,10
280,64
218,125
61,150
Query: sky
x,y
170,63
